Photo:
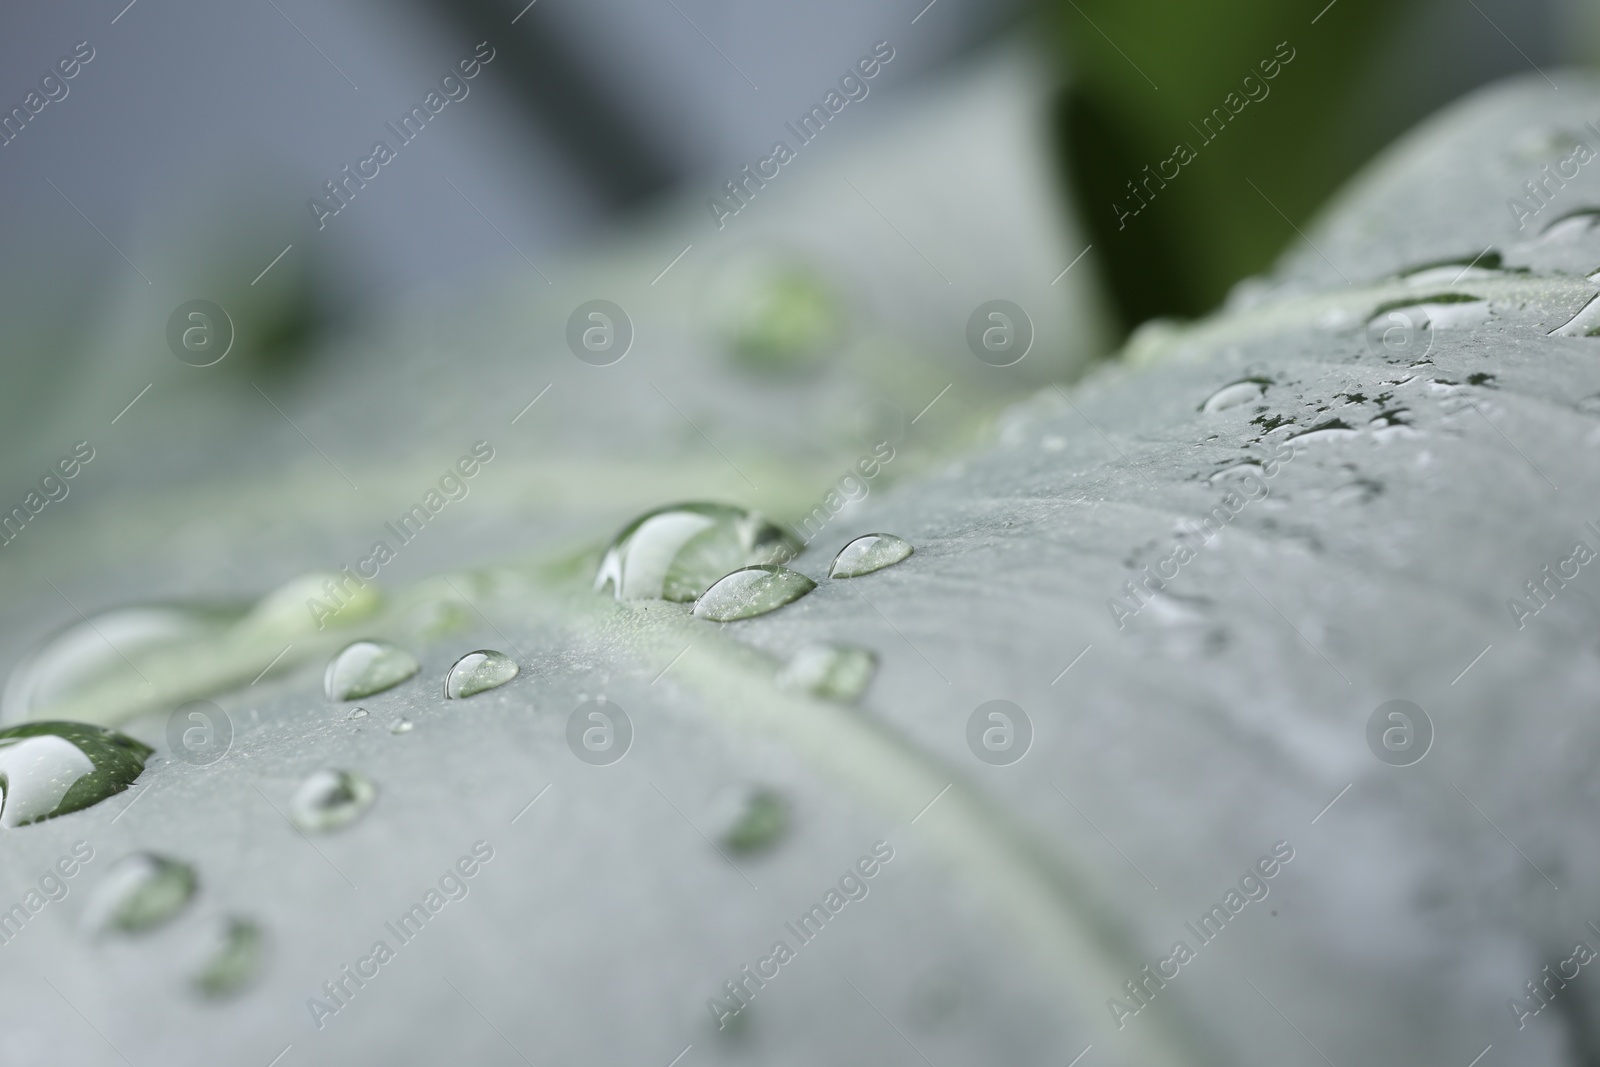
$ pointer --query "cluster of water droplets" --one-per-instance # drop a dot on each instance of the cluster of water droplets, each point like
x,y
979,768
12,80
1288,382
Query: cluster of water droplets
x,y
729,561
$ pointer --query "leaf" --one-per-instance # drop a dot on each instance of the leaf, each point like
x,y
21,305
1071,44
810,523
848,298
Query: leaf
x,y
1219,719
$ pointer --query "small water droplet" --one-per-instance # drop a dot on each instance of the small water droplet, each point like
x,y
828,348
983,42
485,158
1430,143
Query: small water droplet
x,y
751,591
53,768
402,726
233,958
329,799
140,892
1235,393
359,713
91,652
478,671
868,553
834,672
367,667
748,818
675,553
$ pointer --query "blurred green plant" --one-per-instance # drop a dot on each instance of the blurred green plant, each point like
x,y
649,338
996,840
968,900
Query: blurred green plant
x,y
1145,77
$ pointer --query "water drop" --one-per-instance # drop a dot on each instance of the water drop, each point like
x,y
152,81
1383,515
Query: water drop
x,y
1571,225
91,652
401,726
140,892
1235,393
751,591
1585,323
1244,468
1448,272
329,799
675,553
1439,309
1331,430
748,818
233,959
478,671
365,668
868,553
359,713
834,672
52,768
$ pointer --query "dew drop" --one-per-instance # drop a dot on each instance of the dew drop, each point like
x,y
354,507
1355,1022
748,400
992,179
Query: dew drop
x,y
402,726
1584,323
1448,272
367,667
1572,225
751,591
90,653
233,958
748,818
868,553
675,553
834,672
140,892
358,713
1330,430
478,671
1235,393
329,799
53,768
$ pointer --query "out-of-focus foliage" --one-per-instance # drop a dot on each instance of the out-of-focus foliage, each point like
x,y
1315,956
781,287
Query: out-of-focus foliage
x,y
1146,74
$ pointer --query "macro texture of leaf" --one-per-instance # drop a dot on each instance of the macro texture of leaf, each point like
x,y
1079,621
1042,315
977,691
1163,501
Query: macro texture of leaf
x,y
1173,745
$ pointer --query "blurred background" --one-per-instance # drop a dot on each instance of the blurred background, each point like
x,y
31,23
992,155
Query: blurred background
x,y
987,159
198,132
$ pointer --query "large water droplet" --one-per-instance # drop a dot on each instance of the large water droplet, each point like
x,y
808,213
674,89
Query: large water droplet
x,y
834,672
365,668
1571,225
478,671
675,553
1329,430
52,768
139,893
402,725
96,650
233,958
1448,272
748,818
1235,393
752,591
329,799
868,553
1584,323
